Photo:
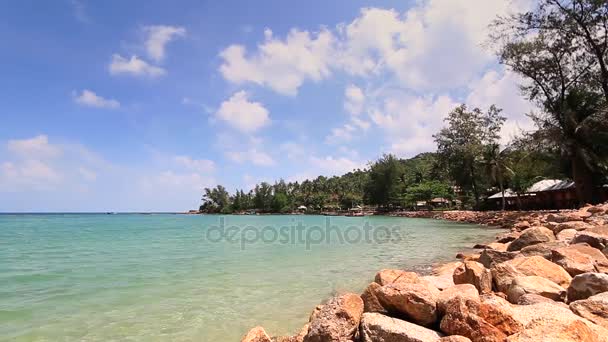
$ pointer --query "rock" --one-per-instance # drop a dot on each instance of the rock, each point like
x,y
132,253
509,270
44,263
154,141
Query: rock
x,y
295,338
490,257
418,302
257,334
461,318
542,249
586,285
499,313
508,237
441,282
522,225
370,299
550,322
535,285
530,237
472,272
454,338
598,209
566,235
497,246
576,225
539,266
315,312
564,217
580,258
503,275
533,298
467,291
593,237
337,320
594,308
389,276
378,327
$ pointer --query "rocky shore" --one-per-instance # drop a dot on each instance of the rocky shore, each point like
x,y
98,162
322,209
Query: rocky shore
x,y
544,280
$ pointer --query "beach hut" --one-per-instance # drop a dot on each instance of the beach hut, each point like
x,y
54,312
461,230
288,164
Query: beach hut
x,y
302,208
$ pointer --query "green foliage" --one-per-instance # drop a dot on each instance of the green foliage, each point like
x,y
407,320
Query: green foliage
x,y
386,184
428,190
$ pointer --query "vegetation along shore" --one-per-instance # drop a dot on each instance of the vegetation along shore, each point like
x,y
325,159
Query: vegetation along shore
x,y
544,280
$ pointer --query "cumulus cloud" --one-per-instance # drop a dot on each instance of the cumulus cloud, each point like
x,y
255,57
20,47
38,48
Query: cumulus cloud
x,y
134,66
242,114
354,100
335,166
37,147
253,156
158,36
90,99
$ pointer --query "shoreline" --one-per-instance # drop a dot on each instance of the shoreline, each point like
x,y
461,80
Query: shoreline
x,y
536,280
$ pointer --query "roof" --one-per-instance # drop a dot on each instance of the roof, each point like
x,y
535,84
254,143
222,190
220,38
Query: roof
x,y
302,207
540,186
508,194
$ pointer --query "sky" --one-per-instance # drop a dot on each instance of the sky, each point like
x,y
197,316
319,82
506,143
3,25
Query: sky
x,y
138,105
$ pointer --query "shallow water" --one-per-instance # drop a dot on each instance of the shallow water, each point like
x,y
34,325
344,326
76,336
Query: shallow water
x,y
96,277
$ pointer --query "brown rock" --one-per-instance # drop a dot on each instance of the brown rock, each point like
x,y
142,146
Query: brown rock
x,y
564,217
594,308
490,257
566,235
370,299
446,269
499,313
315,312
592,237
503,275
535,285
472,272
508,237
378,327
580,258
418,302
530,237
522,225
542,249
454,338
533,298
461,318
586,285
441,282
337,320
576,225
389,276
257,334
295,338
468,292
539,266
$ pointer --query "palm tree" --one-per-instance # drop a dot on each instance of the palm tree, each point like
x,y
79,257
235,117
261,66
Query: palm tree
x,y
495,162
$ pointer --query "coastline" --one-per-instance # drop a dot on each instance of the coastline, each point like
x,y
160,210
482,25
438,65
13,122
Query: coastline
x,y
540,277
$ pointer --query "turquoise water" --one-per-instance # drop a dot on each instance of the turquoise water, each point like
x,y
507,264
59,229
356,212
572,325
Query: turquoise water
x,y
168,278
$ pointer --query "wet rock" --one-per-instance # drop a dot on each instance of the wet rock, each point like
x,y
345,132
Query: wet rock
x,y
586,285
472,272
490,257
530,237
417,302
535,285
337,320
594,308
580,258
257,334
378,327
389,276
370,299
467,292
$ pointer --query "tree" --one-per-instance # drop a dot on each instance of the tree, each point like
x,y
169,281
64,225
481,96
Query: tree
x,y
385,187
262,196
426,191
460,145
561,49
497,168
216,200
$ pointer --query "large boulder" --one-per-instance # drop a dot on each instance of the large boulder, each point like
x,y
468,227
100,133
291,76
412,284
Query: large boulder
x,y
499,313
539,266
503,275
596,237
580,258
566,235
337,320
530,237
532,298
441,282
389,276
576,225
490,257
417,302
586,285
566,217
472,272
257,334
461,318
378,327
370,299
466,291
542,249
594,308
535,285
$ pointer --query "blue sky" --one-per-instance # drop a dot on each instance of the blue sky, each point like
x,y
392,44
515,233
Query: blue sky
x,y
136,106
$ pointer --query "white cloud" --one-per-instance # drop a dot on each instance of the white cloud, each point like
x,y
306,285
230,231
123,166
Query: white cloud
x,y
242,114
134,66
335,166
158,37
293,150
253,156
282,65
90,99
198,165
37,147
354,100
